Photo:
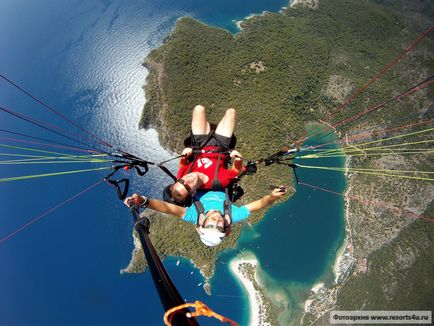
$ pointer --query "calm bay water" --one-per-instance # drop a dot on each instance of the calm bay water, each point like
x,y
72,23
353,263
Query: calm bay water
x,y
296,240
84,59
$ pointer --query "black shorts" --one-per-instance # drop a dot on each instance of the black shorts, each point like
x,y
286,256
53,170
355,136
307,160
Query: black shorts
x,y
200,141
216,140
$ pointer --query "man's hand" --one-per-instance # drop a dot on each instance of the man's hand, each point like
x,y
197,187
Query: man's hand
x,y
187,152
267,200
237,155
134,200
279,192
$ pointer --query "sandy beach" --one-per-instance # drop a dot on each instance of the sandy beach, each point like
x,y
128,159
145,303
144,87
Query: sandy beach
x,y
245,270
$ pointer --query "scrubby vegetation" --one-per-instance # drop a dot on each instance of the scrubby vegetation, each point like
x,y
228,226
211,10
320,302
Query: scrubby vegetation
x,y
398,276
284,70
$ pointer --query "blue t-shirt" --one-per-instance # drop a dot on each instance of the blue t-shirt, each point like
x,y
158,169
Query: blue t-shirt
x,y
214,200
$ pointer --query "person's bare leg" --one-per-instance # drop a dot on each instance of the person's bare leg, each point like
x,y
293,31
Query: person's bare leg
x,y
227,124
199,123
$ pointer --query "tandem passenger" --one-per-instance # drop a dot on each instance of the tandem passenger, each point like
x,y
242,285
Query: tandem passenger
x,y
205,162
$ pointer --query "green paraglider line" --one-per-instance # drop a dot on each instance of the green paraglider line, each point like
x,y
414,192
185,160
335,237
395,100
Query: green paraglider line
x,y
387,173
19,162
361,153
321,155
47,152
380,141
25,177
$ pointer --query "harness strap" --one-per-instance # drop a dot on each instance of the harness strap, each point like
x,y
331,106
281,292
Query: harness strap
x,y
216,184
227,206
201,145
192,165
200,210
122,194
166,170
208,138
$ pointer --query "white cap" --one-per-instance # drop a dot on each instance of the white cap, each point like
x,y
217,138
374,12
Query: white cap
x,y
211,237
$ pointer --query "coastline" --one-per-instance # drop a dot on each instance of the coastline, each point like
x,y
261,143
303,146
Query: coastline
x,y
138,264
345,257
323,298
245,269
239,23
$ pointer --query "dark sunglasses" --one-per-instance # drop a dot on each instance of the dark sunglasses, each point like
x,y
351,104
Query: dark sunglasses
x,y
211,226
187,187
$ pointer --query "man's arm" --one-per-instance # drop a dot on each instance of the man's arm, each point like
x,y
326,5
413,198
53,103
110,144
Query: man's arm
x,y
157,205
266,201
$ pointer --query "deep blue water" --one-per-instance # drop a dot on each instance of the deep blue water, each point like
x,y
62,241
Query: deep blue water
x,y
297,239
84,59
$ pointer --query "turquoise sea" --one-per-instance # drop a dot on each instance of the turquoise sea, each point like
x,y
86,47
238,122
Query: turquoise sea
x,y
84,58
296,242
308,228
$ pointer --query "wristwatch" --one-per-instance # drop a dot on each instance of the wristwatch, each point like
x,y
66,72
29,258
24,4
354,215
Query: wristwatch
x,y
145,203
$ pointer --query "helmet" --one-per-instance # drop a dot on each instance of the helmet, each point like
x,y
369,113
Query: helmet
x,y
211,237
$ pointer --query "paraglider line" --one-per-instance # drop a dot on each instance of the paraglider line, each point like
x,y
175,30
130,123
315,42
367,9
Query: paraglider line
x,y
33,220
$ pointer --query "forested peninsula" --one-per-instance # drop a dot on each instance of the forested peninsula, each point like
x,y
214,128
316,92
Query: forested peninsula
x,y
283,71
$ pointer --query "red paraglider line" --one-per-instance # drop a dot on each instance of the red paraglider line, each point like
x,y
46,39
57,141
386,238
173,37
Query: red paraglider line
x,y
35,219
368,202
